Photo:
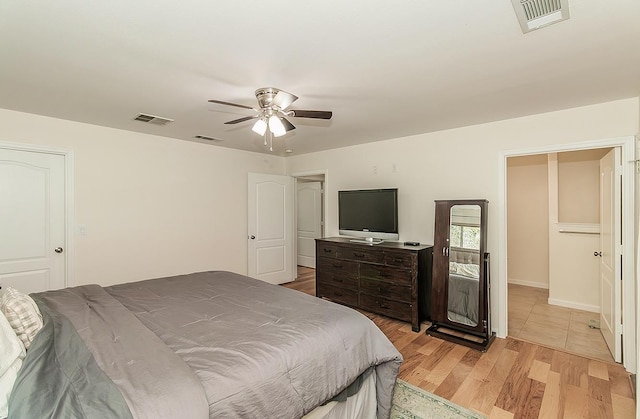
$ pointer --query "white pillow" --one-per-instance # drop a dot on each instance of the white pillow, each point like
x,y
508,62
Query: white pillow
x,y
465,269
22,313
12,353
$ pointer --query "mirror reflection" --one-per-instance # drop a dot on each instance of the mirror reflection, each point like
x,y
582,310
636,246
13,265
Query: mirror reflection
x,y
464,264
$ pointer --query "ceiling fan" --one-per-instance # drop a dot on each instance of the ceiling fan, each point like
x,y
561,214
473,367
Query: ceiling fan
x,y
272,112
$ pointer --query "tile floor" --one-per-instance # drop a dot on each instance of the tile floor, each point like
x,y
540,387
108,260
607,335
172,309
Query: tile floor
x,y
532,319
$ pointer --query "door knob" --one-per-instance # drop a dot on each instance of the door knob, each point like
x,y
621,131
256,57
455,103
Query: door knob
x,y
58,250
597,254
252,237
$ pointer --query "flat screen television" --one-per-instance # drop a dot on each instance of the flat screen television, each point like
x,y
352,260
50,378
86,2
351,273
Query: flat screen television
x,y
371,214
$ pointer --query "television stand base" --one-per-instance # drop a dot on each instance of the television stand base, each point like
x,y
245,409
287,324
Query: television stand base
x,y
366,241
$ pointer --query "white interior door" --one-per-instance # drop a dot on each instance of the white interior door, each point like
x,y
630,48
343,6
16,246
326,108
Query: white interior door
x,y
309,199
611,252
32,220
270,228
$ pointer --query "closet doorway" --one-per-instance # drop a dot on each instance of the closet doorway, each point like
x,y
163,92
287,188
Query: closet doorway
x,y
519,296
553,236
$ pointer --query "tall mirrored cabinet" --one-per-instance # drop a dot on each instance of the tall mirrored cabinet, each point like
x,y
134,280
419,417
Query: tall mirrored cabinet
x,y
460,304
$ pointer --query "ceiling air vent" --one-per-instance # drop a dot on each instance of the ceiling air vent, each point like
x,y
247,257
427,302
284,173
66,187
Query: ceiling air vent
x,y
535,14
204,137
152,119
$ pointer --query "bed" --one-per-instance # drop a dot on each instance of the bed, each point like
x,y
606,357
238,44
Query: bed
x,y
211,344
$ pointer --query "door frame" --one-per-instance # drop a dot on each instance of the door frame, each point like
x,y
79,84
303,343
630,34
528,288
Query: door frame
x,y
325,181
318,217
69,253
630,289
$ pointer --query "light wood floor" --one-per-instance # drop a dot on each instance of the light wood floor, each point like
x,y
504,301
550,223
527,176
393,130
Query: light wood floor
x,y
531,318
513,379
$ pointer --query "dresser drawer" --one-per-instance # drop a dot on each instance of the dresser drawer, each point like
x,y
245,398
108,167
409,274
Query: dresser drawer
x,y
395,309
385,290
386,273
337,265
337,294
326,250
361,255
345,280
400,259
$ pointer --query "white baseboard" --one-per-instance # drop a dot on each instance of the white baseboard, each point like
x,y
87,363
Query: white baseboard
x,y
528,283
307,261
573,304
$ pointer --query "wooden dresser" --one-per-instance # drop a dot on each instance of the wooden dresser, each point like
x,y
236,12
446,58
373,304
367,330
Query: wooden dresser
x,y
388,278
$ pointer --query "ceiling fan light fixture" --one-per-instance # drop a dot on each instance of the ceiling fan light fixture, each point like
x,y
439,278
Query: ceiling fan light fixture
x,y
276,126
272,112
260,127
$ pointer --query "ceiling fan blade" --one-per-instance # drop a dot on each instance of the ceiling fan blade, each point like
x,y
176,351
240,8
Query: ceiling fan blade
x,y
311,114
287,125
283,99
221,102
237,121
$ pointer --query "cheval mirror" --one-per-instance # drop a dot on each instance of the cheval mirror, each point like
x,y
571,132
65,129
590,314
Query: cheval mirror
x,y
460,309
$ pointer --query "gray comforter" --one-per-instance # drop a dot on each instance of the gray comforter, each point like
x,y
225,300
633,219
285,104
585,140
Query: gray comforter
x,y
60,378
464,298
219,344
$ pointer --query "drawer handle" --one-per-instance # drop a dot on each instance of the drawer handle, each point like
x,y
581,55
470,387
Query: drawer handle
x,y
358,255
384,274
379,289
337,264
398,260
382,305
327,250
338,280
338,294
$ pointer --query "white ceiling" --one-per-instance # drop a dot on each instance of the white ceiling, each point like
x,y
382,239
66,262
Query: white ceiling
x,y
385,69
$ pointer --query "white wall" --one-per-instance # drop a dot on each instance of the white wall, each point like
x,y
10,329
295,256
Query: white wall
x,y
574,273
153,206
579,186
528,221
458,163
156,206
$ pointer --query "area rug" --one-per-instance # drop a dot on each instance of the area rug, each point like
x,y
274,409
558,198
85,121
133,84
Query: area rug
x,y
410,402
